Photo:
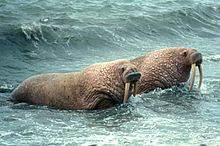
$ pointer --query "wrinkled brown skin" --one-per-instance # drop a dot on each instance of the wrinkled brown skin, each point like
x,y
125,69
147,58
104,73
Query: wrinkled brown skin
x,y
164,68
98,86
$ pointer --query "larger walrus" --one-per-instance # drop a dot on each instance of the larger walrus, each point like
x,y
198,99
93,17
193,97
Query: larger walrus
x,y
98,86
167,67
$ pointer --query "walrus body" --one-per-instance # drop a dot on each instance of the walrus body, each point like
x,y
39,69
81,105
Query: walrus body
x,y
166,68
98,86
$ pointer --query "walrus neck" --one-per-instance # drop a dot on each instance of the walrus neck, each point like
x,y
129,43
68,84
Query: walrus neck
x,y
116,95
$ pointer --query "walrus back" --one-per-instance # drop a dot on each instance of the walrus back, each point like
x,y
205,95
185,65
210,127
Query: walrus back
x,y
23,92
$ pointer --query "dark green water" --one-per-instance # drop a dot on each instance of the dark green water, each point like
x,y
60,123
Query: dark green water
x,y
39,36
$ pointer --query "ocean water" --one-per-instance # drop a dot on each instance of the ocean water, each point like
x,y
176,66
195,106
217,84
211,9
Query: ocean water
x,y
40,36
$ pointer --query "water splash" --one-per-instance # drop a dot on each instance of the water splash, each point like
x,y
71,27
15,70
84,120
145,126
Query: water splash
x,y
6,88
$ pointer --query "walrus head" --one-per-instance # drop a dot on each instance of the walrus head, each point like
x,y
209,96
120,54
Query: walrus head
x,y
130,77
195,59
109,83
168,67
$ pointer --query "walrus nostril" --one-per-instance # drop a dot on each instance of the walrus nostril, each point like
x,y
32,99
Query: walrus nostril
x,y
133,76
134,70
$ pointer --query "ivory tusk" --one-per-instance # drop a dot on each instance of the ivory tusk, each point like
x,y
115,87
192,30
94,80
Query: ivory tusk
x,y
127,86
193,76
135,89
200,75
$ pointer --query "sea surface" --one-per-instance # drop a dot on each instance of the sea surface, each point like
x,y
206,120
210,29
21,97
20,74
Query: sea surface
x,y
41,36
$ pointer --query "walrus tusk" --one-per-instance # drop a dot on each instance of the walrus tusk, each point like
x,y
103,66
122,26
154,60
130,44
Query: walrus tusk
x,y
127,86
193,76
135,89
200,75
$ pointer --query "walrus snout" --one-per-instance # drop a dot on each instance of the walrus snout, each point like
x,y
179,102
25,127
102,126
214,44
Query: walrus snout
x,y
196,58
133,76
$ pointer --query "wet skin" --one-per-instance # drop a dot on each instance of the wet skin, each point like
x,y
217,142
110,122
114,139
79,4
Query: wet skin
x,y
167,67
98,86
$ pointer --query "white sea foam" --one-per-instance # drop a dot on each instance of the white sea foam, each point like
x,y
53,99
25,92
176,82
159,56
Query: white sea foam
x,y
213,58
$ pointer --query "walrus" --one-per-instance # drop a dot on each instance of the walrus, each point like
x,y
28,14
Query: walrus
x,y
98,86
167,67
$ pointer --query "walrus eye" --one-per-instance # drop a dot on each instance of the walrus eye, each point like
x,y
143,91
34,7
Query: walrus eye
x,y
184,53
123,68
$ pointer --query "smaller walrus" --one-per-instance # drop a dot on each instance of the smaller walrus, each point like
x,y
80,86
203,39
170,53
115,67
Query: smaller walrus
x,y
98,86
167,67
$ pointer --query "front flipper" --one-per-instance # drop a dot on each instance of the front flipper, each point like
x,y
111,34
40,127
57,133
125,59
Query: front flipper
x,y
104,104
